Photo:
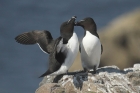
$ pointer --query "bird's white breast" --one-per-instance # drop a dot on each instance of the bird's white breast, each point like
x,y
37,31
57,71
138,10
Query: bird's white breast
x,y
90,50
73,47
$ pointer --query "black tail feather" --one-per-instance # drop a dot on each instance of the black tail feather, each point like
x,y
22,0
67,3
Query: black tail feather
x,y
45,74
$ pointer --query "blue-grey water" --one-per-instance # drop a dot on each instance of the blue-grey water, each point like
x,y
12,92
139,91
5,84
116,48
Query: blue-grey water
x,y
21,65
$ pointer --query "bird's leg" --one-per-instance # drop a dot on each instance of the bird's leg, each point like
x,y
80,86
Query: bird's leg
x,y
70,73
85,70
94,69
57,78
67,72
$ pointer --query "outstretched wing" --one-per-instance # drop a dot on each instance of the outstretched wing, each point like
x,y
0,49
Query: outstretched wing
x,y
42,38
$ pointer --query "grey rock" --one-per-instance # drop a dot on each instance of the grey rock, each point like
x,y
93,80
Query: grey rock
x,y
120,40
109,79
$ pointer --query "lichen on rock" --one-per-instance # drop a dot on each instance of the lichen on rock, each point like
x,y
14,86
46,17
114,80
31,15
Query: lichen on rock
x,y
108,79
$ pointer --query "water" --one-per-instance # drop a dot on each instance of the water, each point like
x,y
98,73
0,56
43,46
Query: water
x,y
21,65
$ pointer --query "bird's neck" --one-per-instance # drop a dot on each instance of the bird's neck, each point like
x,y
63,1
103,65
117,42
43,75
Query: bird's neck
x,y
92,29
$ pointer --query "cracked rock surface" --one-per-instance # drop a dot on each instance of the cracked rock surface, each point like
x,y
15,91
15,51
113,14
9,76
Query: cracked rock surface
x,y
108,79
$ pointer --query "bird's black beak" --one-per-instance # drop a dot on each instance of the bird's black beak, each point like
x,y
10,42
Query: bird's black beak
x,y
77,23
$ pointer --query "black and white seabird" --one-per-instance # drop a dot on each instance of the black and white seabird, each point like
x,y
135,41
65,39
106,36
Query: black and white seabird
x,y
90,47
62,51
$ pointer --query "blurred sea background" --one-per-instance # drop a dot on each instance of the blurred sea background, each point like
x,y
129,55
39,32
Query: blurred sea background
x,y
21,65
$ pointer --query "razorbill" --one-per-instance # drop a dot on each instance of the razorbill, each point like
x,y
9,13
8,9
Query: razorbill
x,y
62,51
90,47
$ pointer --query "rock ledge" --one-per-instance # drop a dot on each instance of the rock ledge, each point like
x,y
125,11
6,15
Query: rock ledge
x,y
109,79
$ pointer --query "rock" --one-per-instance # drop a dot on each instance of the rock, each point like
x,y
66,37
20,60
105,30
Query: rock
x,y
109,79
121,41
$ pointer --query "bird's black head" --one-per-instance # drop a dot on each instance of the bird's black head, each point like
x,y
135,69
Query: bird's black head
x,y
68,25
66,29
87,23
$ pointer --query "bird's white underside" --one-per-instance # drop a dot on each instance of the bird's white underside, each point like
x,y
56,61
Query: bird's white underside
x,y
73,47
90,51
